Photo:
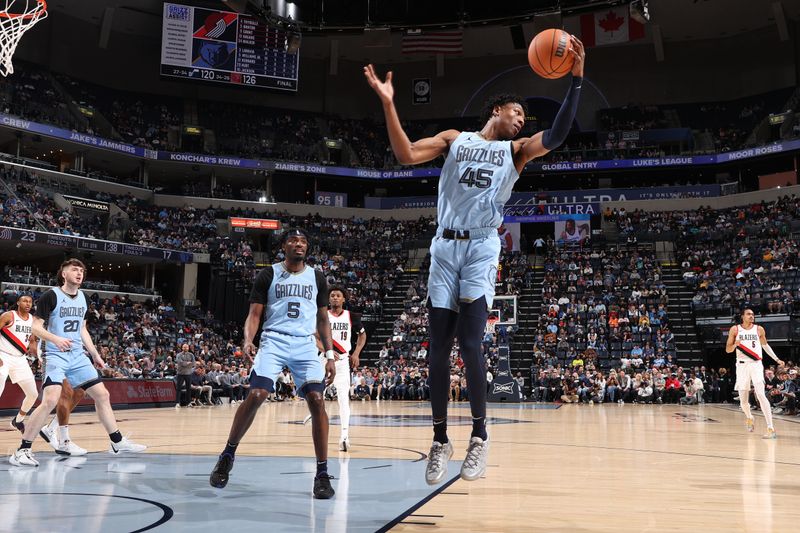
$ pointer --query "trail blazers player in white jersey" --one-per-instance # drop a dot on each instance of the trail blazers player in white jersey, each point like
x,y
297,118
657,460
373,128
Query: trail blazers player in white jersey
x,y
344,326
749,342
478,175
16,341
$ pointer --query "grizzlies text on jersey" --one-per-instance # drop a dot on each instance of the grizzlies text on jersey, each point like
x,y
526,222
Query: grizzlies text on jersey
x,y
291,299
475,183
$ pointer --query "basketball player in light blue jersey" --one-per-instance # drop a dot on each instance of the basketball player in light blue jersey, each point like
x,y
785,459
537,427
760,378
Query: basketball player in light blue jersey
x,y
292,298
479,172
60,321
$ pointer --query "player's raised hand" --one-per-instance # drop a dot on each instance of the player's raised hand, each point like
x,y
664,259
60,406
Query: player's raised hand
x,y
384,89
330,371
577,50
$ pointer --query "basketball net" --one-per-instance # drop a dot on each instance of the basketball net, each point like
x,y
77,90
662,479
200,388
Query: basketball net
x,y
17,17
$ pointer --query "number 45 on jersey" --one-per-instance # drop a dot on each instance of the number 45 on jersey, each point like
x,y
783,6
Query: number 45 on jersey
x,y
480,178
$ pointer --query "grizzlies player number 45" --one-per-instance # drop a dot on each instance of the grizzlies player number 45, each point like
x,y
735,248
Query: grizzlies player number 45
x,y
480,178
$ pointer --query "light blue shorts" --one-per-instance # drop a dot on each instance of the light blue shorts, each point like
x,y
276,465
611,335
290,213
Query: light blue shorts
x,y
76,368
300,354
463,271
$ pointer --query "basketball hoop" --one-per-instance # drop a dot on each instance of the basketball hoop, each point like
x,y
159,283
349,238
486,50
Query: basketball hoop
x,y
14,22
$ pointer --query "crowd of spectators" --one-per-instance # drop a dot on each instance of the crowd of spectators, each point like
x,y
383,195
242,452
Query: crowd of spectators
x,y
606,306
730,258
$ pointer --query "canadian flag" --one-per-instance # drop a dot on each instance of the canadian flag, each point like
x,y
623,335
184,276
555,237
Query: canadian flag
x,y
610,26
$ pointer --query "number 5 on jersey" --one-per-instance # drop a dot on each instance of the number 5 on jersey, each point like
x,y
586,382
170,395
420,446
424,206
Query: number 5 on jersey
x,y
293,309
482,178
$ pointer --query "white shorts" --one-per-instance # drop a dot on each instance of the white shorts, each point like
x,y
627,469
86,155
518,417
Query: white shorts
x,y
749,372
342,378
16,367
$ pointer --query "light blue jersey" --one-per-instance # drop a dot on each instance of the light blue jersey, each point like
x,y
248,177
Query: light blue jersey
x,y
63,315
290,299
475,183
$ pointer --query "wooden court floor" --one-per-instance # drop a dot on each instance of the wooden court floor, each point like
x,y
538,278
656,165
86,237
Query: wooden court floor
x,y
575,468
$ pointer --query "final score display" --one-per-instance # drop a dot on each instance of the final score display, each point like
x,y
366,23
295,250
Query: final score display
x,y
225,47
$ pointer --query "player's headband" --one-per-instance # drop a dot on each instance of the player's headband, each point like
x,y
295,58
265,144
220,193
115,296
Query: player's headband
x,y
293,232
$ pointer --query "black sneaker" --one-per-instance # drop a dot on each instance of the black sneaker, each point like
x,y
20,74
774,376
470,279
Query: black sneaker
x,y
219,476
322,487
18,425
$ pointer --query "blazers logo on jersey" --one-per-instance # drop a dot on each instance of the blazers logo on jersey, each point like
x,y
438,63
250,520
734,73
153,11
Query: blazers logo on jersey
x,y
502,388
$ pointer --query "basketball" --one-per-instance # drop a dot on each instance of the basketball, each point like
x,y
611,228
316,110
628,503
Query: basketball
x,y
549,55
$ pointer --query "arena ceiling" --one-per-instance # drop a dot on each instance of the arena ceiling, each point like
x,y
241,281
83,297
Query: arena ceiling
x,y
677,19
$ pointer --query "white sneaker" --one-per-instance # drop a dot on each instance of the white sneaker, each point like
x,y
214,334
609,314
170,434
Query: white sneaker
x,y
344,445
307,419
437,462
474,465
23,457
126,446
49,436
70,448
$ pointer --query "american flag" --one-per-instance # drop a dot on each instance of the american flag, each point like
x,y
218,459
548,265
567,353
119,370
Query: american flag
x,y
433,42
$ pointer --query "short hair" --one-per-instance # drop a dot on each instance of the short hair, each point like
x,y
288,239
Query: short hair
x,y
69,262
501,100
334,288
293,232
25,295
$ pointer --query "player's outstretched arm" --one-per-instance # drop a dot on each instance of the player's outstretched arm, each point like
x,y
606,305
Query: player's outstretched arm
x,y
730,346
406,152
529,148
324,333
762,337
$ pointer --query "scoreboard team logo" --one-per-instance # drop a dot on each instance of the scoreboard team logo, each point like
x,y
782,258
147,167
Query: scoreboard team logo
x,y
215,25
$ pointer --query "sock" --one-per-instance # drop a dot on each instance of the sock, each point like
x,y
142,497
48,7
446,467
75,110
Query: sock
x,y
322,467
25,444
53,424
63,433
20,417
230,449
440,431
479,428
344,433
115,437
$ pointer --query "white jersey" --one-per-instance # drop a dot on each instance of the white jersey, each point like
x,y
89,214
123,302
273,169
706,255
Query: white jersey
x,y
342,330
750,349
14,337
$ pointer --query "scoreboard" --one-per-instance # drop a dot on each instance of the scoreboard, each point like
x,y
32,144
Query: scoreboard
x,y
225,47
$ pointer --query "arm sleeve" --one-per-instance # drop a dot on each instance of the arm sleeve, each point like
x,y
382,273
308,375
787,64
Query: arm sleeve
x,y
322,289
258,295
358,327
557,134
47,302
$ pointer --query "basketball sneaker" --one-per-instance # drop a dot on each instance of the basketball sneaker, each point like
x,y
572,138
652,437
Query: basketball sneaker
x,y
322,487
307,419
49,436
20,426
437,462
770,434
126,446
474,465
750,424
70,448
344,445
221,473
23,457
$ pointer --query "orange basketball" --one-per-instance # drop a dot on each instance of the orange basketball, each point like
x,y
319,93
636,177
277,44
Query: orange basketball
x,y
549,54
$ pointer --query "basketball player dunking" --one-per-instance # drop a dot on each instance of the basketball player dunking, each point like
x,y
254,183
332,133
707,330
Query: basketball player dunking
x,y
479,172
344,325
62,311
17,340
292,298
750,343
